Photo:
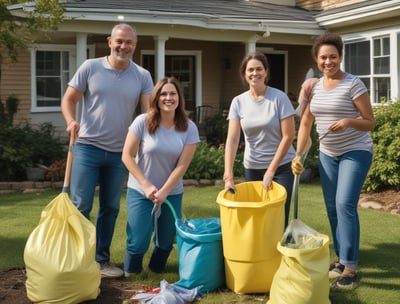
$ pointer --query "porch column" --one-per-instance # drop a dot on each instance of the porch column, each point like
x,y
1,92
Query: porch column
x,y
160,57
251,44
81,48
81,56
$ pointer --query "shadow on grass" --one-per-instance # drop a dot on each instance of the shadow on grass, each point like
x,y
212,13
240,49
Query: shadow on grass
x,y
380,264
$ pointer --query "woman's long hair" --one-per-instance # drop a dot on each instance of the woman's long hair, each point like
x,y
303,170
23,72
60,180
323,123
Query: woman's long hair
x,y
154,114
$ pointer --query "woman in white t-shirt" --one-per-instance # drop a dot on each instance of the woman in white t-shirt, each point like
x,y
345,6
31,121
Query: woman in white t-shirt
x,y
266,117
341,108
158,150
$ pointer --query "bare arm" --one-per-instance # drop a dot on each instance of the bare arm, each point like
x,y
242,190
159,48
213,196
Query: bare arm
x,y
129,152
288,131
176,174
68,105
303,140
231,146
144,102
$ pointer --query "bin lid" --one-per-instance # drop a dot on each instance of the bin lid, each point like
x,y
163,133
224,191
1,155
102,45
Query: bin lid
x,y
253,195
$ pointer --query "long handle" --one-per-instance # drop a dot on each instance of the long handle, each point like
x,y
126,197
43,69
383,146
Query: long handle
x,y
295,191
171,208
68,165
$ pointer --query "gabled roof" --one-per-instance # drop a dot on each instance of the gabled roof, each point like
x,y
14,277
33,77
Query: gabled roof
x,y
237,9
362,12
240,15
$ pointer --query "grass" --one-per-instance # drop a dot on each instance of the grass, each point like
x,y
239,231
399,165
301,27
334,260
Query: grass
x,y
379,247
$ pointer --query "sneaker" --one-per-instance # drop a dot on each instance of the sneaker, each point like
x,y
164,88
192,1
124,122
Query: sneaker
x,y
109,270
335,270
348,281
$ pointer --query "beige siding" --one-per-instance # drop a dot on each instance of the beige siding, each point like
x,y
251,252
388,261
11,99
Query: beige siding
x,y
15,79
325,4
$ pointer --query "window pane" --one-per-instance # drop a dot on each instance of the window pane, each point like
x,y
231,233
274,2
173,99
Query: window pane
x,y
357,58
47,63
386,46
48,92
52,75
382,89
377,47
381,65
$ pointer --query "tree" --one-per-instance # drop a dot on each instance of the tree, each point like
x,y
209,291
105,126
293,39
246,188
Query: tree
x,y
18,32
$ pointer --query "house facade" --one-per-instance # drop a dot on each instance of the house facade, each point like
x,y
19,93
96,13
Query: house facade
x,y
202,43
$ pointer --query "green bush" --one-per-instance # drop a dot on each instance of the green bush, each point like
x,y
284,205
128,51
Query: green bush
x,y
27,146
385,168
216,129
208,163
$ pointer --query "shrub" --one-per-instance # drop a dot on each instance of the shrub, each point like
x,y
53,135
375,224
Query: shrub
x,y
208,163
385,168
27,146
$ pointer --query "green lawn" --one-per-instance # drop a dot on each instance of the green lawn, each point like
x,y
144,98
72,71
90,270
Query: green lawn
x,y
379,268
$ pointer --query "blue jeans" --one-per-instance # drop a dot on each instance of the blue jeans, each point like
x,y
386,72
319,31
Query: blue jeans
x,y
283,176
342,179
92,165
140,227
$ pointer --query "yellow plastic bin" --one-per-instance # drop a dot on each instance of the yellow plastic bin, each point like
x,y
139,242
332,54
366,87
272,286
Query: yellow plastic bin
x,y
252,223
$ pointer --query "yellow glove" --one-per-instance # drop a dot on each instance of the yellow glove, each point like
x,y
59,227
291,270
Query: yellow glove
x,y
297,166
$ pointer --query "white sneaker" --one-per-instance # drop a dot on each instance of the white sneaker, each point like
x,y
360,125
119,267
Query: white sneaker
x,y
109,270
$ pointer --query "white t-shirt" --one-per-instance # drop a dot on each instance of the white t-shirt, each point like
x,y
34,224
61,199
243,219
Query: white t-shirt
x,y
261,125
159,152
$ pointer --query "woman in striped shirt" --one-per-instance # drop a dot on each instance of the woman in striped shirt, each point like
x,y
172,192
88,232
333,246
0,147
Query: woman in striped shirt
x,y
341,108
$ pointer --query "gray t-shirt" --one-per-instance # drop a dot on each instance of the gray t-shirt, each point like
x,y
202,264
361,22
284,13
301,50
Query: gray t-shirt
x,y
260,122
110,98
159,152
331,106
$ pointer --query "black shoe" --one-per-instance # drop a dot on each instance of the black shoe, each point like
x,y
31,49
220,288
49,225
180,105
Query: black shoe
x,y
348,281
335,270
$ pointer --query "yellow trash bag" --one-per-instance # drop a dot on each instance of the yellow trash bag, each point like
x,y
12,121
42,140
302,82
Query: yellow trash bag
x,y
60,256
302,276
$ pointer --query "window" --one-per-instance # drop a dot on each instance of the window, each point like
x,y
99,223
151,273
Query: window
x,y
182,67
51,73
370,60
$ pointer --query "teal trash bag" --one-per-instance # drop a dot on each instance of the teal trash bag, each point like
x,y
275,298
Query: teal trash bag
x,y
200,255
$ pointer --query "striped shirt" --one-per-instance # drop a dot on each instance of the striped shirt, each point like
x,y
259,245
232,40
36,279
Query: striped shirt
x,y
331,106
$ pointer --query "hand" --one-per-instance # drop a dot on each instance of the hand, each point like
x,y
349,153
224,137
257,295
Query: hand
x,y
267,180
73,129
297,166
230,185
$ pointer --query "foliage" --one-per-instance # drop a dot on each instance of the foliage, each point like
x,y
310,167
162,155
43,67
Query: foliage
x,y
216,128
385,168
208,163
8,111
27,146
19,32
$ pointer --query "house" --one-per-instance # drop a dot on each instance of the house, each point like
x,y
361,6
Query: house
x,y
202,43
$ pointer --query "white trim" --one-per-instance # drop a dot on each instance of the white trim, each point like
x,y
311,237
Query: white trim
x,y
73,65
198,61
267,50
393,33
71,49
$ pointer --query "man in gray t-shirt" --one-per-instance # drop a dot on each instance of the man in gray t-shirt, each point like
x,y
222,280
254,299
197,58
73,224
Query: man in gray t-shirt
x,y
111,87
